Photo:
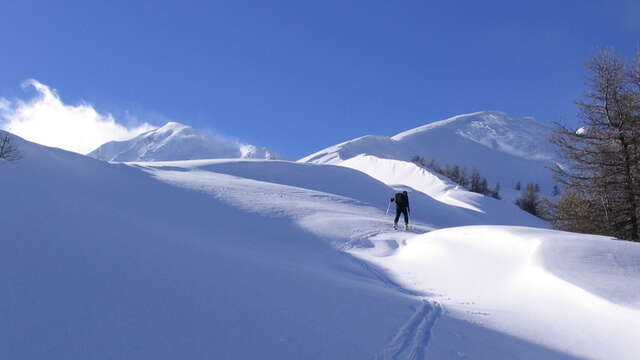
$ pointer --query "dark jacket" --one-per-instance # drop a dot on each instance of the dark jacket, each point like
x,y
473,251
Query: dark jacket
x,y
402,200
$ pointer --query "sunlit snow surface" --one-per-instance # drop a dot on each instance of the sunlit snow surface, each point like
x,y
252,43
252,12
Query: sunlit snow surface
x,y
504,149
241,259
175,141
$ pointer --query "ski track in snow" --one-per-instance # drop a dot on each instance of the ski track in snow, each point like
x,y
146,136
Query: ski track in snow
x,y
399,260
412,339
502,291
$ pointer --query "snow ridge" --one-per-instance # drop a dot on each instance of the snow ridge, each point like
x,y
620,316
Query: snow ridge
x,y
495,130
503,148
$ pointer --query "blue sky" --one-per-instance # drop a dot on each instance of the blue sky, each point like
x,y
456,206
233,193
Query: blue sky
x,y
297,76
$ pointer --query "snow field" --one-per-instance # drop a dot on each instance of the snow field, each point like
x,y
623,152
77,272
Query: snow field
x,y
507,279
104,261
493,277
247,259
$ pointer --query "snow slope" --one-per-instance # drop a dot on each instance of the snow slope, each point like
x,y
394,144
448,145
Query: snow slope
x,y
577,294
104,261
356,185
407,174
502,148
175,141
242,259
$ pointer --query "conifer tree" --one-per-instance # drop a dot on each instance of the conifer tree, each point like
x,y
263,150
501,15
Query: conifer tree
x,y
496,192
8,150
529,200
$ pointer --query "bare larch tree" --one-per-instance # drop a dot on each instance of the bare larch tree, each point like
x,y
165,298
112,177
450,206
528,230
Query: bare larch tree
x,y
601,169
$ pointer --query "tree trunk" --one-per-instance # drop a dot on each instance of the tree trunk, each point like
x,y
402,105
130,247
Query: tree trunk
x,y
629,190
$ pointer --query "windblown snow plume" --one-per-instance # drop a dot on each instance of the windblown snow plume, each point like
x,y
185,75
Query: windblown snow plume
x,y
46,120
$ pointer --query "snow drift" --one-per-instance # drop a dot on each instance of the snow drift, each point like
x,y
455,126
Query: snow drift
x,y
577,294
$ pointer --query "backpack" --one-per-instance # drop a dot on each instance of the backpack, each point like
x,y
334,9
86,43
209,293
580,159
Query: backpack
x,y
401,200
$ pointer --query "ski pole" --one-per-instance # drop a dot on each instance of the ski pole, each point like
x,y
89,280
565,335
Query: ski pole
x,y
388,206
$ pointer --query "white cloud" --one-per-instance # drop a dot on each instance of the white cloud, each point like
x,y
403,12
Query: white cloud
x,y
46,120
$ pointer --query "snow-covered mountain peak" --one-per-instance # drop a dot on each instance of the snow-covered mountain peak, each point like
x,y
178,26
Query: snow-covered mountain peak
x,y
453,121
504,149
176,141
173,125
368,144
171,130
522,137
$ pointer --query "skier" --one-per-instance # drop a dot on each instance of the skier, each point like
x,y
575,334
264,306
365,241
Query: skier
x,y
402,207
